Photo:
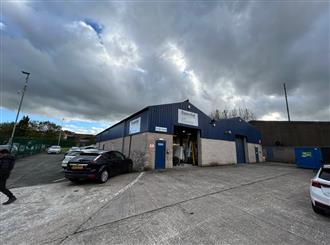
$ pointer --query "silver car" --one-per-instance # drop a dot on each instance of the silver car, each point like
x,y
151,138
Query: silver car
x,y
54,149
69,156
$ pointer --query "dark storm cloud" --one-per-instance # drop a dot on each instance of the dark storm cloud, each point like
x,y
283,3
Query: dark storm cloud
x,y
218,54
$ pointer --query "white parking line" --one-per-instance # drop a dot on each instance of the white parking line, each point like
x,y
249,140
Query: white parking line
x,y
58,180
104,206
128,186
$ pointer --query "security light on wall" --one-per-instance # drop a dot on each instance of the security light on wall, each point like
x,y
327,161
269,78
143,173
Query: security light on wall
x,y
228,132
213,122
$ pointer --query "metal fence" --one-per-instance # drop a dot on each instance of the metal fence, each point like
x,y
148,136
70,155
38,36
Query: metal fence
x,y
27,146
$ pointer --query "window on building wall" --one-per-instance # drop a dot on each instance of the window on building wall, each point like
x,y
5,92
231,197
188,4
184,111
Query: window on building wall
x,y
103,146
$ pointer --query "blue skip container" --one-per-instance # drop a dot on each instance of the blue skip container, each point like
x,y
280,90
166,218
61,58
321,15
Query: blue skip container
x,y
308,157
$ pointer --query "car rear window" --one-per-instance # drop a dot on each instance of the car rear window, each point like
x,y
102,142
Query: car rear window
x,y
325,174
89,154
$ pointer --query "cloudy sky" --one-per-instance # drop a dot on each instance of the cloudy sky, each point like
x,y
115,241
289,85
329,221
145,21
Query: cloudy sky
x,y
94,63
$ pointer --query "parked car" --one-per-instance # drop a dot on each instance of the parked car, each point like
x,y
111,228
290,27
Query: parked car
x,y
54,149
97,166
74,148
14,149
88,147
69,156
320,190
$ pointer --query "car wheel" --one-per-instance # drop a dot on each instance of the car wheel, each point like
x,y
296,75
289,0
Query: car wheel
x,y
316,209
104,176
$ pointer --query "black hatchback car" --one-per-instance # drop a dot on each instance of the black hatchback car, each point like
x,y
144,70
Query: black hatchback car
x,y
97,166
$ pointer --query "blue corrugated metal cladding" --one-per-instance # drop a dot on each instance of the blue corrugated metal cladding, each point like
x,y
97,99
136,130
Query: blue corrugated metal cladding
x,y
166,116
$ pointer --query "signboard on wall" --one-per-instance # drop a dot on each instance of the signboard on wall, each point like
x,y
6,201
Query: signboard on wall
x,y
187,117
135,126
161,129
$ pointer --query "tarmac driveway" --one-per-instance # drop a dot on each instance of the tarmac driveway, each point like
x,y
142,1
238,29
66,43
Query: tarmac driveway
x,y
244,204
37,169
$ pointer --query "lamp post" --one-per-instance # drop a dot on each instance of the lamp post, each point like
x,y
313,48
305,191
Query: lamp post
x,y
59,137
286,101
19,109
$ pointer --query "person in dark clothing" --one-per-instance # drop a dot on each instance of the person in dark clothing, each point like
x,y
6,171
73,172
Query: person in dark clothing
x,y
7,162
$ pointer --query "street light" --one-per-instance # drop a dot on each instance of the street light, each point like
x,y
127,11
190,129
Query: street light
x,y
59,137
19,109
286,101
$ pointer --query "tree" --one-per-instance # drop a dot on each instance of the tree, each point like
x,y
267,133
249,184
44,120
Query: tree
x,y
30,129
243,113
23,126
5,132
216,115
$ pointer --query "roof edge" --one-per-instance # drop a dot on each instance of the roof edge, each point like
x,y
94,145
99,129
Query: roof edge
x,y
138,112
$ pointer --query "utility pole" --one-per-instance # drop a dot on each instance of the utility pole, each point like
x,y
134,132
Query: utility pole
x,y
11,140
287,105
59,137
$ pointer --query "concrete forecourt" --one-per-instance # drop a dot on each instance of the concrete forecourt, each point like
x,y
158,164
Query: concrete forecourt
x,y
265,203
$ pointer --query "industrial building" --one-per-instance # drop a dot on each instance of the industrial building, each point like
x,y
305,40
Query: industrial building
x,y
294,133
285,141
163,136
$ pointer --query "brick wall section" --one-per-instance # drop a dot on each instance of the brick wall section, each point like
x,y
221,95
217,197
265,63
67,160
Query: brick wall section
x,y
211,152
217,152
111,145
138,148
126,145
138,152
142,149
152,137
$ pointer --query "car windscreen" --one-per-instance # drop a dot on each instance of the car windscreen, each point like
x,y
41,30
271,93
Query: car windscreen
x,y
325,174
73,153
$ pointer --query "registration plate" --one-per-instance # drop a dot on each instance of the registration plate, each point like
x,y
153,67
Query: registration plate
x,y
77,166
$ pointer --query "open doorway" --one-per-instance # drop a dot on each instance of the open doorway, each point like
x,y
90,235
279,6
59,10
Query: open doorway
x,y
185,146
